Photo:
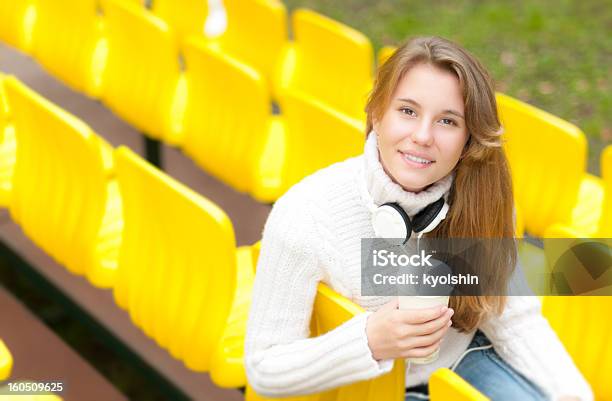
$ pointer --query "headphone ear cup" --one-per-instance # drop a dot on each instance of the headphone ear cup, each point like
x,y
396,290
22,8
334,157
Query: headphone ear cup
x,y
391,221
426,216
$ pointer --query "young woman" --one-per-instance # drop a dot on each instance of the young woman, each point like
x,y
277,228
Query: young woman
x,y
432,132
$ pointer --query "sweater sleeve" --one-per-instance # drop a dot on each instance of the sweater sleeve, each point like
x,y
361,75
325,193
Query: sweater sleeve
x,y
280,359
524,339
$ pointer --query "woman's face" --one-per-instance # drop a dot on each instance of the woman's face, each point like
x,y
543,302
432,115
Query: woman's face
x,y
422,133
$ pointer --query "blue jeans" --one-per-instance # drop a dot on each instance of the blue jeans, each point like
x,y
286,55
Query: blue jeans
x,y
489,374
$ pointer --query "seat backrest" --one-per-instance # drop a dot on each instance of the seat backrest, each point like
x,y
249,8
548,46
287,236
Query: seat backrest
x,y
329,311
580,323
605,223
444,384
142,71
256,33
186,17
227,114
16,23
332,62
547,158
384,53
66,36
6,361
59,184
317,136
177,263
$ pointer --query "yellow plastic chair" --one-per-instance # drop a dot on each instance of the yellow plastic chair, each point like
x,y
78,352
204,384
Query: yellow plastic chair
x,y
384,53
309,124
179,269
547,157
223,136
328,61
6,361
62,193
67,41
592,216
141,81
186,17
16,23
260,22
8,149
584,329
329,311
446,385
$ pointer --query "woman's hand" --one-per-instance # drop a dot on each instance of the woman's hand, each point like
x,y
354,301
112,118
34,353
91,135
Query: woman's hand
x,y
413,333
568,398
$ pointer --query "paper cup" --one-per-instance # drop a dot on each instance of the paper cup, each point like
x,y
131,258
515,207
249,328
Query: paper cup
x,y
422,302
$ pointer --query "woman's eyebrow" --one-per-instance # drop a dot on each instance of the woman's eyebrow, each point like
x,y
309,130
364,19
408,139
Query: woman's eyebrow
x,y
414,102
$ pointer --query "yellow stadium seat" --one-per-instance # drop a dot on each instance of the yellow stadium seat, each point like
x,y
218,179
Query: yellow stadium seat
x,y
328,61
141,81
384,53
6,361
228,139
179,268
547,157
330,310
8,149
263,22
584,329
592,216
227,366
186,17
446,385
67,41
309,124
16,23
62,195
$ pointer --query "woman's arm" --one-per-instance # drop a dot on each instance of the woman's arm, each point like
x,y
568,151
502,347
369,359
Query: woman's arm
x,y
280,359
524,339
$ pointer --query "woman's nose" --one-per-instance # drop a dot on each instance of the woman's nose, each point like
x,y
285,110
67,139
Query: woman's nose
x,y
423,135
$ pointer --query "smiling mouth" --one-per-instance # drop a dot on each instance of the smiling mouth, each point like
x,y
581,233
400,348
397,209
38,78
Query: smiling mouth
x,y
416,159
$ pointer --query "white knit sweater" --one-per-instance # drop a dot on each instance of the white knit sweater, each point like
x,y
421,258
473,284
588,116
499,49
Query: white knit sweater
x,y
313,235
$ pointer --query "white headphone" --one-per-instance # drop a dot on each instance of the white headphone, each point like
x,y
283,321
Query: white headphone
x,y
391,221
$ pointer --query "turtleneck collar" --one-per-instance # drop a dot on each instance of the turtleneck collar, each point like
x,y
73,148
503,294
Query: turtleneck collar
x,y
382,189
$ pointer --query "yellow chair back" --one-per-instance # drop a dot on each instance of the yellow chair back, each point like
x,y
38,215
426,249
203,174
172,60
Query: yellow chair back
x,y
220,132
547,157
186,17
177,263
17,19
580,323
8,149
67,41
444,384
317,136
60,185
141,77
263,22
605,223
328,61
6,361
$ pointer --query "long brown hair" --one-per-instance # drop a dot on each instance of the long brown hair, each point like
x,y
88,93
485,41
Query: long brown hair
x,y
481,200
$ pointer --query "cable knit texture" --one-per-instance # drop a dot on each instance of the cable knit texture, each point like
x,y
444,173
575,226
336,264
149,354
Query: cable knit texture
x,y
312,235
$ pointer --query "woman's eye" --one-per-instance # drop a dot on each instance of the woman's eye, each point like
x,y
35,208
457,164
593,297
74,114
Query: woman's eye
x,y
448,121
408,111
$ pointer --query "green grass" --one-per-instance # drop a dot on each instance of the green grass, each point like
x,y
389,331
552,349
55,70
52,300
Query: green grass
x,y
556,55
